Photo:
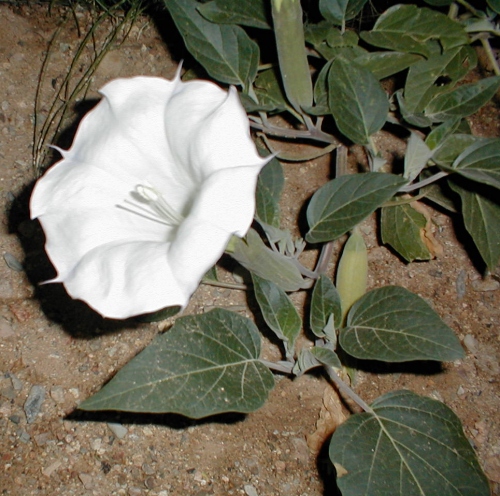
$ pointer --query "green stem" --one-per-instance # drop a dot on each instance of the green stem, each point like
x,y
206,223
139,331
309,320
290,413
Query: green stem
x,y
344,388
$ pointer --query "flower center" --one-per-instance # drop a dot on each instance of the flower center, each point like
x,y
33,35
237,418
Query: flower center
x,y
150,204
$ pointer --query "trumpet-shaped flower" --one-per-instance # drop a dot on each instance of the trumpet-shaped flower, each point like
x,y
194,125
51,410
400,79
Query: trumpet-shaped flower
x,y
159,177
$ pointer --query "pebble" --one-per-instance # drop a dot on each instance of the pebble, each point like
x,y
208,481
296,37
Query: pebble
x,y
34,402
483,285
48,471
250,490
16,383
460,284
470,342
24,437
86,480
6,330
118,430
12,262
57,394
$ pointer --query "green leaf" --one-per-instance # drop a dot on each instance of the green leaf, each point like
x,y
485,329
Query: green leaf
x,y
206,364
385,64
251,13
325,301
269,187
494,5
408,445
424,77
344,202
321,91
401,227
462,101
440,132
225,51
408,28
326,357
416,157
449,150
481,214
339,11
393,324
255,256
480,162
278,311
268,91
357,101
439,3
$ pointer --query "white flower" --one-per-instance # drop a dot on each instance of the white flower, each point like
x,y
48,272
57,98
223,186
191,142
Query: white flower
x,y
159,177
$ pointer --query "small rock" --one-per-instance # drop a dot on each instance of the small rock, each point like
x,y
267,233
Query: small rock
x,y
12,262
16,383
148,469
250,490
135,491
483,285
460,284
34,402
460,391
57,394
87,480
75,392
301,450
163,493
42,439
48,471
150,483
6,330
15,419
118,430
470,342
24,437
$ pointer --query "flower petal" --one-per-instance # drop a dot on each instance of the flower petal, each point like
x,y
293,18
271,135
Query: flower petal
x,y
186,143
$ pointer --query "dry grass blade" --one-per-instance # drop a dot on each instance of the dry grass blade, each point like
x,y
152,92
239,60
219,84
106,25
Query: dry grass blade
x,y
111,23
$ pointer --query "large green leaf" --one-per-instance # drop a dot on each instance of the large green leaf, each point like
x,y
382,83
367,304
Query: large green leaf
x,y
423,77
408,445
339,11
416,157
255,256
278,311
462,101
252,13
225,51
357,101
325,302
401,227
344,202
269,91
385,64
481,214
408,28
269,187
451,147
206,364
393,324
480,162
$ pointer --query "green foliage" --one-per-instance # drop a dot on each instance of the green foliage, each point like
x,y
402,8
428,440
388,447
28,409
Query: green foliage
x,y
205,364
344,202
407,445
393,324
403,444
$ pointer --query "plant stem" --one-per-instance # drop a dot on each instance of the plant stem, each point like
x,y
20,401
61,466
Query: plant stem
x,y
285,367
490,55
344,388
425,182
229,285
314,135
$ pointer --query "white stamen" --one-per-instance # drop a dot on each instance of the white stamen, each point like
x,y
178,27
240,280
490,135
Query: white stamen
x,y
154,207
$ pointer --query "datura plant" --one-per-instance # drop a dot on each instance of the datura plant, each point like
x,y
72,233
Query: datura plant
x,y
163,178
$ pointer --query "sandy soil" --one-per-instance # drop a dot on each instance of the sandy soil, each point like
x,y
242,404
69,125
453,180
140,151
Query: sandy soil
x,y
60,350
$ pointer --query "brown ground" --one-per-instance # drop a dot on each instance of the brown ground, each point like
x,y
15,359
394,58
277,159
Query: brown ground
x,y
48,341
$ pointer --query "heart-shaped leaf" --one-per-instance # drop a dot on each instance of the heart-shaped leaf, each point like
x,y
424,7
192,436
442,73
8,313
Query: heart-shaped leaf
x,y
206,364
393,324
408,445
